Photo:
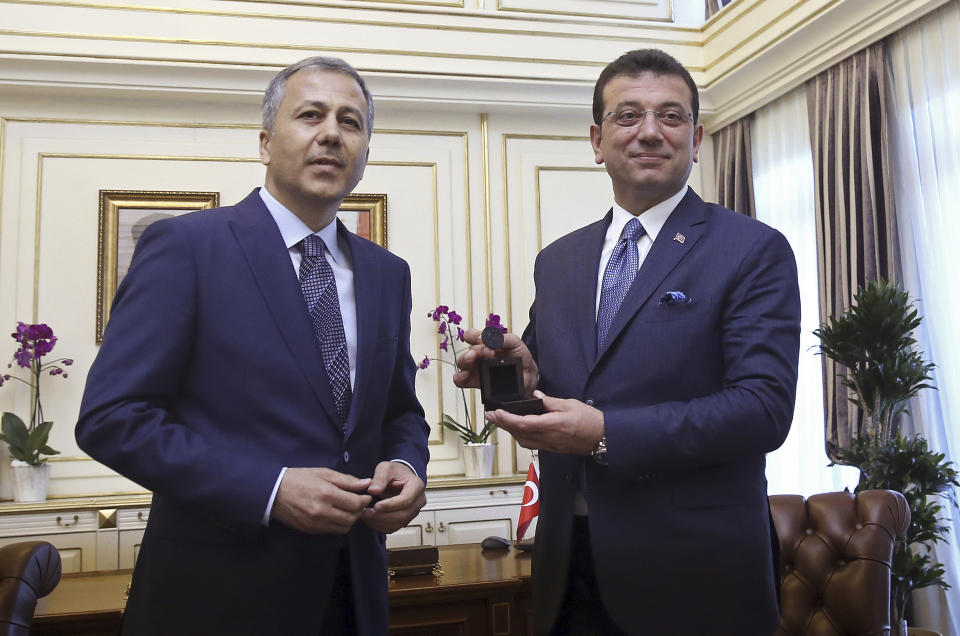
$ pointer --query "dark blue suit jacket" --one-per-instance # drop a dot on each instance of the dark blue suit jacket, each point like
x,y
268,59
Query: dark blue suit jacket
x,y
209,380
693,396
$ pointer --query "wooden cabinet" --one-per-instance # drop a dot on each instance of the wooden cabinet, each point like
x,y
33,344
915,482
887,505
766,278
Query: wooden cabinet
x,y
131,523
461,516
105,534
72,532
91,535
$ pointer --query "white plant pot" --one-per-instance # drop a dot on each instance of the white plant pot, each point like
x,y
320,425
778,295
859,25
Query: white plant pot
x,y
29,482
478,460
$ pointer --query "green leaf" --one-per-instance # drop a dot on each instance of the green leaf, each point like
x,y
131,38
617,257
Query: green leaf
x,y
26,445
14,430
466,434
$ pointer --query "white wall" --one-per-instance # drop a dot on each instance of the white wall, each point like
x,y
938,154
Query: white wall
x,y
480,142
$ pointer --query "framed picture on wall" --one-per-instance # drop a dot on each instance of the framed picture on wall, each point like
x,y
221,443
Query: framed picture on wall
x,y
366,216
125,214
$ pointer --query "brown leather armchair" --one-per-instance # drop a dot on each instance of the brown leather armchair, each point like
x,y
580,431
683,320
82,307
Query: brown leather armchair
x,y
28,570
835,551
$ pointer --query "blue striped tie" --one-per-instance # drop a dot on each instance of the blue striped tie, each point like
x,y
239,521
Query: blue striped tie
x,y
320,291
618,276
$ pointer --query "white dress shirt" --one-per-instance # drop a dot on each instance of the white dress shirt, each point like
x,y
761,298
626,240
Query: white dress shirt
x,y
293,230
652,221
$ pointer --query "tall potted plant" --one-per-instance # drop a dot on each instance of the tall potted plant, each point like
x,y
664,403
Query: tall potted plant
x,y
28,444
478,451
874,341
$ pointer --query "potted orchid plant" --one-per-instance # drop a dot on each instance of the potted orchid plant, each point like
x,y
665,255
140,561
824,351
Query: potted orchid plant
x,y
28,444
478,450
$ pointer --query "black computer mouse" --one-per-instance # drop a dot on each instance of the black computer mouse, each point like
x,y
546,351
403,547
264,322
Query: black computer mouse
x,y
495,543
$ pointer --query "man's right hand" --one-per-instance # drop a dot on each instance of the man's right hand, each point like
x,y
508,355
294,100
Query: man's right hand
x,y
469,377
320,500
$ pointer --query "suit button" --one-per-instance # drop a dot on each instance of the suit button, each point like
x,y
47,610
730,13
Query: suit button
x,y
346,457
589,402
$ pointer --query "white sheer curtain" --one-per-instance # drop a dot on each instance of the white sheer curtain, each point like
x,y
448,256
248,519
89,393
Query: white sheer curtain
x,y
924,71
783,188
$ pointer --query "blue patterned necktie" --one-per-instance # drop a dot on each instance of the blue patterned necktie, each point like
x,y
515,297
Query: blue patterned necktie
x,y
618,276
320,291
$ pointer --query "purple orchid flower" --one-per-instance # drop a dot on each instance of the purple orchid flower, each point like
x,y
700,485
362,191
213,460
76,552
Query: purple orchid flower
x,y
493,320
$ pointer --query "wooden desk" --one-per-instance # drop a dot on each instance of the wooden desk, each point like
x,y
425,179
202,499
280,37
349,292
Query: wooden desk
x,y
482,592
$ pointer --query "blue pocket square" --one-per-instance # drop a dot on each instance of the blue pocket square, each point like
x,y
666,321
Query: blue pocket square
x,y
674,298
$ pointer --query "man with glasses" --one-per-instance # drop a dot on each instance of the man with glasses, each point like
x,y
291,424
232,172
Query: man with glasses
x,y
664,342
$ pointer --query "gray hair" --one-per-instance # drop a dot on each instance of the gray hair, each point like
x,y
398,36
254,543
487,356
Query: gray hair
x,y
274,94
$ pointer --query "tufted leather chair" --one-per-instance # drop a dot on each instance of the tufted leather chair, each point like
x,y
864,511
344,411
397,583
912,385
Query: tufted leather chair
x,y
835,551
28,571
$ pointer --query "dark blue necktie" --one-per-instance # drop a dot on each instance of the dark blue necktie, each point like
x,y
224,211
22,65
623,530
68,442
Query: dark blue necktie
x,y
320,291
618,276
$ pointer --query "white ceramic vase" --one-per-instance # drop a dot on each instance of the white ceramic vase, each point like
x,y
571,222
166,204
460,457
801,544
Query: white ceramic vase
x,y
29,482
478,460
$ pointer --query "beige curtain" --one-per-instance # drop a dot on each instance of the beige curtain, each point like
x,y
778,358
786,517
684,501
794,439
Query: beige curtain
x,y
734,169
856,223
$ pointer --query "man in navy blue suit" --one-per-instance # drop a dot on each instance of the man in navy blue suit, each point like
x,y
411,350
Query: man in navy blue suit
x,y
256,376
664,342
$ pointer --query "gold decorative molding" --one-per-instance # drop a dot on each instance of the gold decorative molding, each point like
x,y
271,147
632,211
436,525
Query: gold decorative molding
x,y
584,14
780,36
536,171
265,65
306,46
422,9
504,139
78,502
445,483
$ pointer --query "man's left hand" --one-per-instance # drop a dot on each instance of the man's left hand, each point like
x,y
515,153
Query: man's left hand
x,y
568,426
401,495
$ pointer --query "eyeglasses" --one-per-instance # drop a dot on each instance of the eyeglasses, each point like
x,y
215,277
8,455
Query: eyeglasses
x,y
630,118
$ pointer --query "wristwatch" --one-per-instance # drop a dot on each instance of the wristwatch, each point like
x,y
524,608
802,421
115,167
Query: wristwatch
x,y
599,453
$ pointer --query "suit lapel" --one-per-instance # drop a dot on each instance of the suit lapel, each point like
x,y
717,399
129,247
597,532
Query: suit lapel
x,y
269,261
583,287
366,290
664,256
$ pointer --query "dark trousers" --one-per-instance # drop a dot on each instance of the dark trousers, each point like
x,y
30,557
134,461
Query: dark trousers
x,y
339,618
583,613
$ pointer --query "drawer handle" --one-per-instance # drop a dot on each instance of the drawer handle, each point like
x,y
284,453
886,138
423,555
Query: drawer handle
x,y
142,517
76,520
429,527
502,491
441,527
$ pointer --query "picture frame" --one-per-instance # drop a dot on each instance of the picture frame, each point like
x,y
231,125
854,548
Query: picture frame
x,y
124,214
366,215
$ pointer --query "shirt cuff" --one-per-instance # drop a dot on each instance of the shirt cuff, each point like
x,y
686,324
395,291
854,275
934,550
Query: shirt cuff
x,y
407,464
273,495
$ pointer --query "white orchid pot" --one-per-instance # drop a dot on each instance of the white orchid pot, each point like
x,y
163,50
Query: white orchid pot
x,y
29,482
478,460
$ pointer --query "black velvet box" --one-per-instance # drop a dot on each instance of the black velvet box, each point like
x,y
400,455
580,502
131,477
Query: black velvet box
x,y
413,560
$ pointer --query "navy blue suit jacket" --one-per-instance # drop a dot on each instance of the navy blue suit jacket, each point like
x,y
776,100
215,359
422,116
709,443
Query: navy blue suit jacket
x,y
208,382
693,396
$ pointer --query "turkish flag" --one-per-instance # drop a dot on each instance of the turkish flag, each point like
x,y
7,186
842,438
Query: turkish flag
x,y
530,507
